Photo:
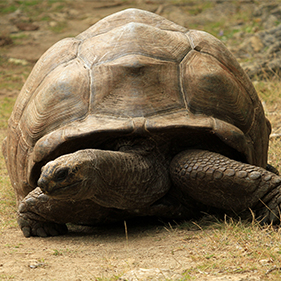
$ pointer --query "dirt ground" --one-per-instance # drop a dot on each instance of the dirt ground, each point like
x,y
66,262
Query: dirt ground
x,y
136,251
144,252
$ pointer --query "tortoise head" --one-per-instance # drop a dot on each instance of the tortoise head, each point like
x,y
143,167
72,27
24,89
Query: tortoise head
x,y
65,176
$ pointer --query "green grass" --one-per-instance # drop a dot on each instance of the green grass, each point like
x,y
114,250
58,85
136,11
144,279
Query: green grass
x,y
19,38
6,107
59,27
32,8
12,75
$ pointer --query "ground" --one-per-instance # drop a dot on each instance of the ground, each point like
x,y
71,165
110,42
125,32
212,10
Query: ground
x,y
209,249
163,252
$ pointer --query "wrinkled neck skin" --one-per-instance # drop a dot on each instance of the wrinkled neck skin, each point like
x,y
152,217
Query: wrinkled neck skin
x,y
135,176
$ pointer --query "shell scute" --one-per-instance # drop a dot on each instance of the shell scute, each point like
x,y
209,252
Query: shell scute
x,y
134,38
207,43
218,93
63,51
55,104
138,85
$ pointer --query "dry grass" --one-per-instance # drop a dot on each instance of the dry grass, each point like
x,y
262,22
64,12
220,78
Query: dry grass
x,y
270,94
229,246
7,197
12,78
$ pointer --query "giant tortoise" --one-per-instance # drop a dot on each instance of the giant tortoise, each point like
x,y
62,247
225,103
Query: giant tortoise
x,y
137,116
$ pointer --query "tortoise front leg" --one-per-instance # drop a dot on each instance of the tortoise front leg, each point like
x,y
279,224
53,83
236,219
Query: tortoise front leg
x,y
41,215
34,213
217,181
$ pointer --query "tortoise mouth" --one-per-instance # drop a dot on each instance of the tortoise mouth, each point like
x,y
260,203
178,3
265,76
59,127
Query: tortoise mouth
x,y
64,192
73,145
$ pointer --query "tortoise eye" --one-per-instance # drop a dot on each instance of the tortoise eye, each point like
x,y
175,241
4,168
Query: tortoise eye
x,y
61,174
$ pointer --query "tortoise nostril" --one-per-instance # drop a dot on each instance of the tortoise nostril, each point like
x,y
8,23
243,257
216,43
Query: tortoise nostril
x,y
42,184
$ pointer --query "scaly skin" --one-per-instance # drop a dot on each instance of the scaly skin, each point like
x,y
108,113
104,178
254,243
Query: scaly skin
x,y
112,179
33,224
215,180
137,185
94,186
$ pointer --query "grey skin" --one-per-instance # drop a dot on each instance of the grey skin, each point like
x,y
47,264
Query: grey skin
x,y
142,180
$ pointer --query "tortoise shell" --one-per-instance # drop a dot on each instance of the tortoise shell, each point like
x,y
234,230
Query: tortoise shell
x,y
132,73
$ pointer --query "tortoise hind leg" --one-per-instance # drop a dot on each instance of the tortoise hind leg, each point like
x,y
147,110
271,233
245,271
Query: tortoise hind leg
x,y
217,181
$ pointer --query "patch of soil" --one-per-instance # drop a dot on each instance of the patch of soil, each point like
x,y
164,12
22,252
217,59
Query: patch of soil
x,y
137,252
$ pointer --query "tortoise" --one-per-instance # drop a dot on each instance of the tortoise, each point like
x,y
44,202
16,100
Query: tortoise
x,y
138,116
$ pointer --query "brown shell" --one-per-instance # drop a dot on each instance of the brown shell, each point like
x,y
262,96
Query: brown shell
x,y
133,72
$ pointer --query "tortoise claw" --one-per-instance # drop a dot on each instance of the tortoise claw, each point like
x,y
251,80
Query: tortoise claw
x,y
270,212
31,223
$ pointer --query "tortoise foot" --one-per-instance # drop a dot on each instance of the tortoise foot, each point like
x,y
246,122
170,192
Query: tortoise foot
x,y
33,227
269,209
31,222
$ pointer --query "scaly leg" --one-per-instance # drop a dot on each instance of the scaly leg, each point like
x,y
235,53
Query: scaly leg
x,y
217,181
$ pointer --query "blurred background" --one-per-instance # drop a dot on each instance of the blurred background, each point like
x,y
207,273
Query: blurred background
x,y
250,28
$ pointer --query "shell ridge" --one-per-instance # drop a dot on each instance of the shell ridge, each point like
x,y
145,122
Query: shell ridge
x,y
131,15
81,57
136,54
190,40
158,26
182,87
91,86
181,78
134,38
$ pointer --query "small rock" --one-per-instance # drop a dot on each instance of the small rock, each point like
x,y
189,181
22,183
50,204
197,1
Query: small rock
x,y
36,264
266,261
53,23
24,26
5,40
150,274
73,13
256,43
18,61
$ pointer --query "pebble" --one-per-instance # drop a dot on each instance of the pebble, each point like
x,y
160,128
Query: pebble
x,y
18,61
